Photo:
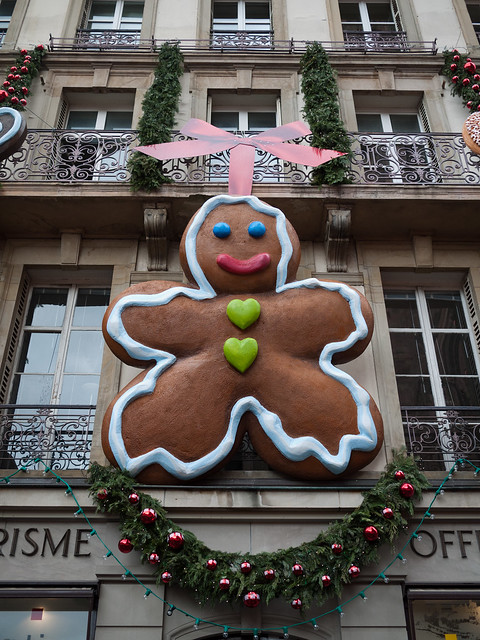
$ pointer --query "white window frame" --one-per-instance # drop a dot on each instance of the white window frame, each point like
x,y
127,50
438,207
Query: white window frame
x,y
475,25
365,16
242,23
5,23
115,23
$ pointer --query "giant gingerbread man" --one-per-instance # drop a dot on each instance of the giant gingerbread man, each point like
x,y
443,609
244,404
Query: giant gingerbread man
x,y
245,347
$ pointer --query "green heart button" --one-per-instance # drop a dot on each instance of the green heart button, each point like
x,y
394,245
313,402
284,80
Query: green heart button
x,y
240,353
243,313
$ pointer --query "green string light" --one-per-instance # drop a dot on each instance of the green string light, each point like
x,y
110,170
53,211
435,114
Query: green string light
x,y
226,628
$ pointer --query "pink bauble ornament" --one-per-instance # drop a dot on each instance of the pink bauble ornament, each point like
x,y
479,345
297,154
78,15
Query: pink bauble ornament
x,y
224,584
354,571
297,569
134,498
154,558
148,516
175,540
370,534
3,95
269,574
296,603
125,545
39,47
469,104
326,580
166,577
399,475
337,548
28,58
16,77
475,87
387,513
251,599
102,494
245,567
453,67
407,490
6,83
211,564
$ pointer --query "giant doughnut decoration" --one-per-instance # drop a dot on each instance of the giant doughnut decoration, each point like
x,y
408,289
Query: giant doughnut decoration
x,y
244,347
471,132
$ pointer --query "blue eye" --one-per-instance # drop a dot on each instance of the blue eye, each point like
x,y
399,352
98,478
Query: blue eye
x,y
221,230
256,229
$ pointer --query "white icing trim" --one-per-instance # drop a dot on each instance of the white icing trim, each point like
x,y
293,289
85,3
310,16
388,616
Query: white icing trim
x,y
294,449
17,123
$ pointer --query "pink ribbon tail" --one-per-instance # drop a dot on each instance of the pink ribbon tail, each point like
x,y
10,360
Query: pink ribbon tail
x,y
299,154
185,148
240,176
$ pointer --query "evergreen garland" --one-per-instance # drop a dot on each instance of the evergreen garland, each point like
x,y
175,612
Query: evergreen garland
x,y
188,565
463,77
321,110
160,105
19,77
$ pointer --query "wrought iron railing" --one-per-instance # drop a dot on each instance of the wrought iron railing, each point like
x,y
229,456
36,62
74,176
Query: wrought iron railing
x,y
377,159
438,436
234,41
61,435
378,41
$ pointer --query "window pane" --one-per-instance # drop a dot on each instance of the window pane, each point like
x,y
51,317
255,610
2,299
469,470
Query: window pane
x,y
445,310
439,618
225,119
402,310
409,353
78,389
118,120
461,392
225,10
474,11
258,121
6,8
84,352
257,11
380,12
369,122
454,354
31,389
90,307
82,120
47,308
132,10
39,353
415,392
350,12
102,10
404,123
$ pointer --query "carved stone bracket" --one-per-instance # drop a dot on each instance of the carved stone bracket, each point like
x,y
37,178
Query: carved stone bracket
x,y
155,221
337,237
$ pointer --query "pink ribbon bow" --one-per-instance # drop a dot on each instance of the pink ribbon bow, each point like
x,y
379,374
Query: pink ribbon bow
x,y
210,139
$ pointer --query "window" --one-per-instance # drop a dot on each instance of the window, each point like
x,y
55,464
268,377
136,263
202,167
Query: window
x,y
55,378
372,25
403,155
111,23
98,153
473,9
6,10
241,24
443,613
54,614
436,367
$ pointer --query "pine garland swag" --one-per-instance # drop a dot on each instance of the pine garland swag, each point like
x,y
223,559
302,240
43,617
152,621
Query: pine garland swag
x,y
321,110
188,565
160,106
463,79
19,77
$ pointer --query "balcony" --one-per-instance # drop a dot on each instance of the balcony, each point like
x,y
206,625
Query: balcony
x,y
68,156
438,436
61,435
241,42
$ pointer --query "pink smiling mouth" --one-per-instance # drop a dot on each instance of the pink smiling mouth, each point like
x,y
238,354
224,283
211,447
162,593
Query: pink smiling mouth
x,y
243,267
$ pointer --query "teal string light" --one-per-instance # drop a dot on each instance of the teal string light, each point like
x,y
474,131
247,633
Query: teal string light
x,y
226,628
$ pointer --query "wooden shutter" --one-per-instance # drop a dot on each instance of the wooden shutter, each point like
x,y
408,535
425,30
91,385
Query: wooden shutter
x,y
14,337
472,306
86,14
422,112
396,15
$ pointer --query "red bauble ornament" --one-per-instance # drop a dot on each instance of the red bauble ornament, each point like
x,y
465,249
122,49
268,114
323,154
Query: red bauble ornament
x,y
297,569
23,52
326,580
39,47
469,104
6,83
101,493
453,67
245,567
14,100
296,603
133,498
251,600
11,90
125,545
175,540
16,77
23,102
28,58
387,513
224,584
455,79
370,534
478,108
148,516
407,490
25,91
399,475
24,69
9,77
211,564
476,87
3,95
456,58
337,548
465,82
469,66
166,577
354,571
269,574
154,558
13,69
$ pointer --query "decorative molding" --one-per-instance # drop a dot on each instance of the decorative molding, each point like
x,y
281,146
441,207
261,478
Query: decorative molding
x,y
155,221
70,243
337,237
